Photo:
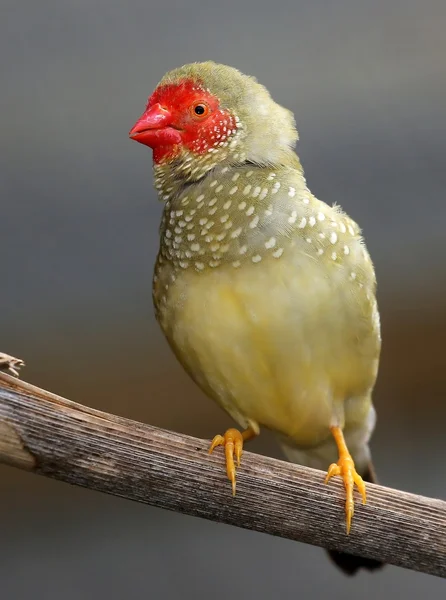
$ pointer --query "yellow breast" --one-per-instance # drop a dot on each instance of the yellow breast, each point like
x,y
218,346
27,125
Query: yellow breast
x,y
279,343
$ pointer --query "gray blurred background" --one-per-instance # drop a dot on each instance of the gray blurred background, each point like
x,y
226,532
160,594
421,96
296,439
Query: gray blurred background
x,y
78,237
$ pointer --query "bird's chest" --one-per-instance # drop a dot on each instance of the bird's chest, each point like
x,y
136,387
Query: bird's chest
x,y
262,339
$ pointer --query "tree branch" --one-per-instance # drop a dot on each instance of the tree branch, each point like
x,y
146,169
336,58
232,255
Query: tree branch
x,y
52,436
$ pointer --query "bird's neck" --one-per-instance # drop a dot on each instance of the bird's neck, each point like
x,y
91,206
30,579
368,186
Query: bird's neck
x,y
233,214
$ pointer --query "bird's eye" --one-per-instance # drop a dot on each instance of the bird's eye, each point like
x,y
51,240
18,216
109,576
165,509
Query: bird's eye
x,y
200,110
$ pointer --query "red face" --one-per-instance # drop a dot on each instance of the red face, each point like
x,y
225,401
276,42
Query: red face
x,y
182,116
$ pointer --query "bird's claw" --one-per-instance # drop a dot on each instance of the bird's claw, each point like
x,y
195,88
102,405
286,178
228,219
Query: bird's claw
x,y
11,364
233,445
345,467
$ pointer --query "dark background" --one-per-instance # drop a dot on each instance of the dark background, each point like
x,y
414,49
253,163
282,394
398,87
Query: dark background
x,y
78,236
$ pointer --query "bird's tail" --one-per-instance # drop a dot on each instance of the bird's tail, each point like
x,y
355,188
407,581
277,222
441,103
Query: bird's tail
x,y
348,563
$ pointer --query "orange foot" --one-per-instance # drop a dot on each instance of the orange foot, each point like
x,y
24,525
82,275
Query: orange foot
x,y
345,467
233,443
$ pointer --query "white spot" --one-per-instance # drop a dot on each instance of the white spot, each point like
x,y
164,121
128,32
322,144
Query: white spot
x,y
320,216
293,217
218,189
242,205
221,236
179,213
190,237
213,201
320,251
228,225
168,233
346,250
291,192
308,240
306,200
227,204
236,232
246,190
254,222
224,218
235,176
302,223
243,249
342,227
312,221
263,193
203,221
249,173
214,183
236,264
270,243
214,263
271,176
212,211
256,258
249,211
351,230
232,190
256,191
334,256
215,247
322,236
278,253
184,264
195,247
199,198
333,238
352,275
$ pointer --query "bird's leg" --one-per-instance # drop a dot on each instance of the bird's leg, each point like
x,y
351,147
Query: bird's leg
x,y
345,467
10,363
232,441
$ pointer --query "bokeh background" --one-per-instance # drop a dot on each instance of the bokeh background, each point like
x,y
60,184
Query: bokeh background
x,y
78,237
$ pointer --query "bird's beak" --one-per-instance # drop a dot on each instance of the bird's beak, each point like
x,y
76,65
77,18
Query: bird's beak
x,y
154,128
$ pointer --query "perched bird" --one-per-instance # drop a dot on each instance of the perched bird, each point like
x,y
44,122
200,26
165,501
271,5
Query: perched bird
x,y
265,294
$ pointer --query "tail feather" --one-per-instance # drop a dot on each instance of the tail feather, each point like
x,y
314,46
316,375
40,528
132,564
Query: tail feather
x,y
348,563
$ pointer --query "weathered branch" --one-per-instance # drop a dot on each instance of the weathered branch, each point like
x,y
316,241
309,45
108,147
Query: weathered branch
x,y
52,436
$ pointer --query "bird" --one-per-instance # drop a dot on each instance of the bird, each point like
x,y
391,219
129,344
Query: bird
x,y
266,294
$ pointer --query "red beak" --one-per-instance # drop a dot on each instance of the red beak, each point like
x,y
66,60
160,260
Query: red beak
x,y
153,128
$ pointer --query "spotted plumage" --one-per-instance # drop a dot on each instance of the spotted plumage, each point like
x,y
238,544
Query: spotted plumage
x,y
265,293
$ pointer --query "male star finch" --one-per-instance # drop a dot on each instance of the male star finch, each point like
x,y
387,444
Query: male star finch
x,y
265,294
